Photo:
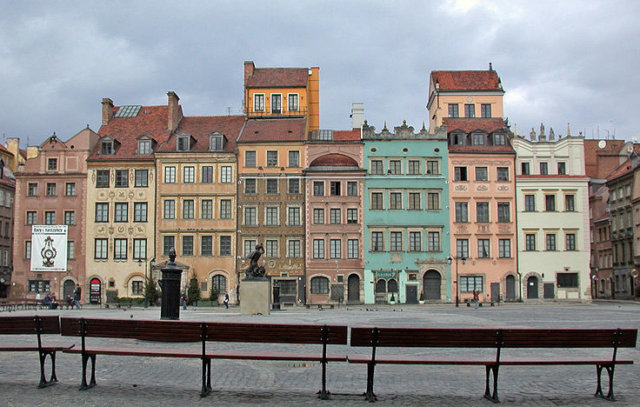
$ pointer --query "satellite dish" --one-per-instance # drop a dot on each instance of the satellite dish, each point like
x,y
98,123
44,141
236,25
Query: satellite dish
x,y
602,143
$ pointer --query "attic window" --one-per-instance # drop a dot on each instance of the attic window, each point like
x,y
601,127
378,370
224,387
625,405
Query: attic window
x,y
499,139
478,139
216,142
106,147
458,139
183,143
144,146
128,111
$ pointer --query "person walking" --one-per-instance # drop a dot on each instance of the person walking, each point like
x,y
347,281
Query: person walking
x,y
77,294
184,300
476,298
226,300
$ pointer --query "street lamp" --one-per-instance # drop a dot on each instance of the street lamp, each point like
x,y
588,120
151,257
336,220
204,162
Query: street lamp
x,y
449,261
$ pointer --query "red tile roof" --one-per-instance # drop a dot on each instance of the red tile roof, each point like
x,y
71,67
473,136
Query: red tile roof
x,y
278,77
466,80
4,149
200,127
334,160
151,121
470,125
346,135
269,130
623,169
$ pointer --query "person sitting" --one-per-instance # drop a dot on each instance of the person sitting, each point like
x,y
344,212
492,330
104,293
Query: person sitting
x,y
69,301
54,302
46,302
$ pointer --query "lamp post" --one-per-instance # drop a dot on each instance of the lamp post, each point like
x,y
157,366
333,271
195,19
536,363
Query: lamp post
x,y
449,261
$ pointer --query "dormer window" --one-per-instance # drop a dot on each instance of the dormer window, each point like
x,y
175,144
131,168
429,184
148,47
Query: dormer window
x,y
458,139
216,141
478,139
144,146
106,147
499,139
52,164
183,142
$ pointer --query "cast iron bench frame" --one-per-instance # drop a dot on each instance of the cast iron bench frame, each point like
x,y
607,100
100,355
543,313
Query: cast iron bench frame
x,y
38,325
203,332
498,339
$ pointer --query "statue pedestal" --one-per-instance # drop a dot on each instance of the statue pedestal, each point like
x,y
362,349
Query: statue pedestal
x,y
255,297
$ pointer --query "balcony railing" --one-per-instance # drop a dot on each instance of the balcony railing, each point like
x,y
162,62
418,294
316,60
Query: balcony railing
x,y
276,113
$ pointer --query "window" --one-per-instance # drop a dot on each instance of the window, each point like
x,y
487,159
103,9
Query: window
x,y
503,174
225,174
71,249
433,241
250,159
276,103
144,146
102,179
524,168
206,209
52,164
293,102
271,216
216,142
122,178
170,175
395,244
433,201
294,186
140,249
483,249
469,284
570,241
504,212
469,110
187,245
352,248
550,203
121,212
119,249
168,243
249,247
100,249
258,102
395,200
567,280
319,285
485,110
318,188
250,186
460,173
376,200
530,242
376,167
250,216
414,167
499,139
294,249
140,212
482,212
395,167
169,209
335,188
27,249
106,147
32,189
142,178
293,216
272,158
462,209
32,218
569,203
415,241
187,209
39,286
294,159
51,188
377,242
102,212
504,248
335,216
352,188
69,218
529,203
188,174
70,189
551,242
225,209
49,218
562,168
225,245
482,174
462,248
318,216
183,143
136,287
433,167
453,110
335,248
271,248
544,168
478,139
414,201
207,174
272,186
318,248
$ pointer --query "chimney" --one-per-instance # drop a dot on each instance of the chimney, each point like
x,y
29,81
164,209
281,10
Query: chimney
x,y
249,67
107,110
175,111
1,168
357,115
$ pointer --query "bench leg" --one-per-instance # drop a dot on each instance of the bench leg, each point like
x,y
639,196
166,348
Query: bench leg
x,y
206,377
491,370
370,395
53,379
599,393
92,382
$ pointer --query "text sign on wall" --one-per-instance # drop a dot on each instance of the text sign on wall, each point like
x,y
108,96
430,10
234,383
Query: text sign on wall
x,y
49,247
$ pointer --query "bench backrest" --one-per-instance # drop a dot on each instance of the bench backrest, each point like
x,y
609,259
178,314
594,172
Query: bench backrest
x,y
276,333
492,338
25,325
165,331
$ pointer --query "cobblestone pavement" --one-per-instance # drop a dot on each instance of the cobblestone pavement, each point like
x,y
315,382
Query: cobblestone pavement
x,y
136,381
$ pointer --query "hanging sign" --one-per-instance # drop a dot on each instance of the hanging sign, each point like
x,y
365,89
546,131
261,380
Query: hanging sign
x,y
49,247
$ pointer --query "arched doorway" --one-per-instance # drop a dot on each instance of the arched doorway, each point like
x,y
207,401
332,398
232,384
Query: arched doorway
x,y
511,288
431,285
218,284
532,287
353,287
68,288
95,291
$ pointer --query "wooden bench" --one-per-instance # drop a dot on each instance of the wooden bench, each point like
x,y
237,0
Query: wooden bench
x,y
203,332
38,325
15,304
497,339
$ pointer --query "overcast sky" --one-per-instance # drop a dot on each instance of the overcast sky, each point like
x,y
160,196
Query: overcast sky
x,y
560,61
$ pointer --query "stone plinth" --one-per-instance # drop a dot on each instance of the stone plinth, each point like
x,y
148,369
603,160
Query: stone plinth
x,y
255,297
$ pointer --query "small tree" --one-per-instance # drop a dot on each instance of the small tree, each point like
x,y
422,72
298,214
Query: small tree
x,y
194,291
151,292
214,294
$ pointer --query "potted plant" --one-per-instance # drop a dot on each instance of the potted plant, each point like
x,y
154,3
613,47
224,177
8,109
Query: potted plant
x,y
421,300
392,300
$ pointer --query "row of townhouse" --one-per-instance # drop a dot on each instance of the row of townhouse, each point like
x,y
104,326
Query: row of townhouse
x,y
345,216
